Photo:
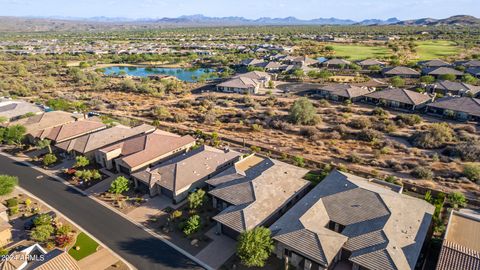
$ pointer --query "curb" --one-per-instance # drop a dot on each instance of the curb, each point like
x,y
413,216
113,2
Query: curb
x,y
150,231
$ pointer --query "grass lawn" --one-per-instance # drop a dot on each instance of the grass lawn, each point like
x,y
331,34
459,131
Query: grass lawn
x,y
434,49
87,247
360,52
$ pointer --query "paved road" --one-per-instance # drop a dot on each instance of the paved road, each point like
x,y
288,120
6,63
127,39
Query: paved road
x,y
130,242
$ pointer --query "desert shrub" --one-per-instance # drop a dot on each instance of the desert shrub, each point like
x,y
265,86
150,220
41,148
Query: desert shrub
x,y
354,158
380,112
369,135
472,171
409,119
457,200
179,117
49,159
422,172
467,151
310,132
360,123
435,136
303,112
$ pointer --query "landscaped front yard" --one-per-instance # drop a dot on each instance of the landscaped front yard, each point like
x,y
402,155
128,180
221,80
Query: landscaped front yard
x,y
84,246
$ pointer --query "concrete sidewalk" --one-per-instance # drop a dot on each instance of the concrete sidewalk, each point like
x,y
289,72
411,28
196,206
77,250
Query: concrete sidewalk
x,y
218,251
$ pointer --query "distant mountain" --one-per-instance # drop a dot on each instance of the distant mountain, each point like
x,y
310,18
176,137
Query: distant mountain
x,y
454,20
58,23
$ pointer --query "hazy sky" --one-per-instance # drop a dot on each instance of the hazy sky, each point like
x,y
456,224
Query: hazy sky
x,y
305,9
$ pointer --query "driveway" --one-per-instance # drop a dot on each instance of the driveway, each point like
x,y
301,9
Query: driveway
x,y
134,244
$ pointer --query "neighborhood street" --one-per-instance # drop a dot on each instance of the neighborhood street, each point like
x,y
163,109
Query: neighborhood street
x,y
135,245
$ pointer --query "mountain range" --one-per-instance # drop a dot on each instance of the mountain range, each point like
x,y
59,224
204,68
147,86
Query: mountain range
x,y
14,24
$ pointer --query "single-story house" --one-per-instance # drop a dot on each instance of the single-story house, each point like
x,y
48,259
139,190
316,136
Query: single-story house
x,y
254,192
397,98
336,63
87,145
40,122
178,176
404,72
353,222
454,88
461,108
143,151
468,63
368,63
71,131
303,61
461,244
252,62
434,63
474,71
272,66
241,85
14,109
342,92
439,71
5,227
262,77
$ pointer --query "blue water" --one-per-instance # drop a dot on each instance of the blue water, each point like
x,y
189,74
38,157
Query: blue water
x,y
187,75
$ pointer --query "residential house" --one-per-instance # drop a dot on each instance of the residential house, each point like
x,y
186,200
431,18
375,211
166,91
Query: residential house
x,y
404,72
254,192
241,85
460,108
342,92
71,130
303,61
336,63
474,71
353,223
368,63
87,145
468,63
272,66
5,227
437,72
454,88
35,257
178,176
252,62
14,109
397,98
259,76
143,151
434,63
461,244
40,122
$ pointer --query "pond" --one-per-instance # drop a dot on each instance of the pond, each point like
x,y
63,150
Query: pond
x,y
184,74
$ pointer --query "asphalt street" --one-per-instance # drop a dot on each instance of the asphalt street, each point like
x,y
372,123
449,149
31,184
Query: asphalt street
x,y
135,245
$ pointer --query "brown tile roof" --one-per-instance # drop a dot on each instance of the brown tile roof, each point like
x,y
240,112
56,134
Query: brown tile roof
x,y
240,82
370,62
182,171
37,123
379,227
454,256
345,90
434,63
400,71
401,95
254,75
442,71
97,140
336,61
257,193
56,259
72,130
460,87
460,104
153,146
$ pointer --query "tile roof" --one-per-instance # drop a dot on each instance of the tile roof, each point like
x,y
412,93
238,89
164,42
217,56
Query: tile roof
x,y
434,63
380,229
71,130
56,259
370,62
182,171
400,71
336,61
468,63
460,87
256,193
240,82
345,90
435,71
401,95
254,75
103,138
39,122
16,108
460,104
474,71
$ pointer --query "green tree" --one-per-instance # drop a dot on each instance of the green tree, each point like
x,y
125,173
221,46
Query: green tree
x,y
42,233
299,73
118,186
469,79
81,161
196,199
254,247
192,225
3,119
7,184
45,143
428,79
49,159
303,112
397,82
457,199
42,219
14,134
448,77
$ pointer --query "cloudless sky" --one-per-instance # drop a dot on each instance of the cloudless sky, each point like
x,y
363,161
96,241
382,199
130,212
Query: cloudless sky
x,y
252,9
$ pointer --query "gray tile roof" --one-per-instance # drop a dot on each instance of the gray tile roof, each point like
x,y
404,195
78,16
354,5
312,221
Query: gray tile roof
x,y
400,71
460,104
460,87
380,229
240,82
257,192
434,63
345,90
401,95
370,62
436,71
336,61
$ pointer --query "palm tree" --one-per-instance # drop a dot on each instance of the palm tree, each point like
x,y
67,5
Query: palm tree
x,y
45,143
